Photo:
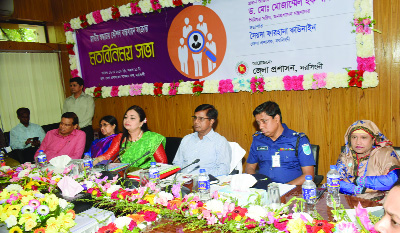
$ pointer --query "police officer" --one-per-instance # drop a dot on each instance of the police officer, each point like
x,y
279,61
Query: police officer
x,y
282,154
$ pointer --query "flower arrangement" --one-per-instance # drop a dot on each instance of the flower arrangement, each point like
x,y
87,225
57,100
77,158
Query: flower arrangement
x,y
32,211
356,78
158,89
364,42
197,87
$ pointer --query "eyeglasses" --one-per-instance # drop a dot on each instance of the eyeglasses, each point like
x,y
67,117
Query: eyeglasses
x,y
201,119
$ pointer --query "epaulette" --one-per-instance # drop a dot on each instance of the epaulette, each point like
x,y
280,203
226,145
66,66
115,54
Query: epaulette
x,y
257,133
299,135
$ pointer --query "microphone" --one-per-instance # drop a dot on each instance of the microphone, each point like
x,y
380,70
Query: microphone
x,y
141,157
194,162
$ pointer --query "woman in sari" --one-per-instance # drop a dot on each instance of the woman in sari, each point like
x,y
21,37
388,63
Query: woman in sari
x,y
369,166
136,145
109,129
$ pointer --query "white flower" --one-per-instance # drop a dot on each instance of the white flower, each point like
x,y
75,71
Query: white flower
x,y
307,81
123,90
215,206
185,2
31,175
210,86
274,84
57,176
145,5
113,188
11,221
166,3
336,80
89,91
14,187
365,45
125,10
75,23
70,37
256,212
123,221
165,89
23,173
305,215
63,203
106,92
89,184
106,14
241,84
370,79
5,168
90,19
366,9
142,226
185,88
165,195
148,89
72,62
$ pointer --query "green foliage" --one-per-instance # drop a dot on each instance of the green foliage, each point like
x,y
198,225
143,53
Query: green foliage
x,y
19,35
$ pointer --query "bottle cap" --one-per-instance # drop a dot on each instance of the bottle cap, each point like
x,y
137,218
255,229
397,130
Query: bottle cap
x,y
333,167
40,151
308,177
153,163
202,170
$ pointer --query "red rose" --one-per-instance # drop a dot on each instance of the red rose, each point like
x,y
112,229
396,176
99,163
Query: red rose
x,y
177,2
359,83
82,17
196,83
71,52
360,73
202,83
70,46
200,89
352,73
150,216
352,82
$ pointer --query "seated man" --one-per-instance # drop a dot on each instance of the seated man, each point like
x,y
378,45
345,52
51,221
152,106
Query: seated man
x,y
25,138
282,154
212,149
66,140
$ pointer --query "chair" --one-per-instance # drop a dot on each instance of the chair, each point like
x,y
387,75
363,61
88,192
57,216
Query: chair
x,y
317,178
236,161
171,147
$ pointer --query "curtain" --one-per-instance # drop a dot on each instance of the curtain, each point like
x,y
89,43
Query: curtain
x,y
31,80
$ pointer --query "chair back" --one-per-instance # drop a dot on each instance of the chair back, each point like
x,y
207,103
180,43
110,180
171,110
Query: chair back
x,y
171,147
317,178
236,158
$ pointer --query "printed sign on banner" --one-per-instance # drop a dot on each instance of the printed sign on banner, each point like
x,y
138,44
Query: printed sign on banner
x,y
253,38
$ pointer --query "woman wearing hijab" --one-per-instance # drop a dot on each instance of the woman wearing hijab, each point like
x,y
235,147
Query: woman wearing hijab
x,y
369,166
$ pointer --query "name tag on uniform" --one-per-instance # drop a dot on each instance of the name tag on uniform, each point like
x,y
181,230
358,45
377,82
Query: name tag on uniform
x,y
276,160
262,147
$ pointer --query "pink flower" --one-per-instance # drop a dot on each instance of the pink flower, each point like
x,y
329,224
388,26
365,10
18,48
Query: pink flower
x,y
356,22
362,214
135,89
214,195
135,9
67,27
74,73
97,16
319,80
366,21
155,4
271,218
367,29
225,86
287,82
367,64
114,91
360,29
176,190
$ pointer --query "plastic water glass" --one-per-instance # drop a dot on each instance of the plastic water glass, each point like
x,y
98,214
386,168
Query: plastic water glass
x,y
274,196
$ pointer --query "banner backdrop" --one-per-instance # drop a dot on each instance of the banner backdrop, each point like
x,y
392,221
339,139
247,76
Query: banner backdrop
x,y
225,39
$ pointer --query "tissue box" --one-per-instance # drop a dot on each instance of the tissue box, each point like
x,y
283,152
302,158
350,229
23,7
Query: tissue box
x,y
245,198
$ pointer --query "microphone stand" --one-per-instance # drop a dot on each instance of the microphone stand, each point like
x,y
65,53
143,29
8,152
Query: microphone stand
x,y
194,162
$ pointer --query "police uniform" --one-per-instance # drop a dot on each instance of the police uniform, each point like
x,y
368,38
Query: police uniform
x,y
277,159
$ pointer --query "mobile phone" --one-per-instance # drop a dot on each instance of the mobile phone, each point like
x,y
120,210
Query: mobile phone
x,y
320,191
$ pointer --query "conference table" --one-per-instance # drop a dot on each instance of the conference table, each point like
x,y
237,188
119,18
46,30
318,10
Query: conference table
x,y
349,202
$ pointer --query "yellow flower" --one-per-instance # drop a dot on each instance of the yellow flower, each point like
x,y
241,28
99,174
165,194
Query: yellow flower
x,y
52,225
150,198
25,200
322,231
30,224
4,194
118,231
195,211
238,218
26,217
296,226
65,221
15,229
30,184
14,210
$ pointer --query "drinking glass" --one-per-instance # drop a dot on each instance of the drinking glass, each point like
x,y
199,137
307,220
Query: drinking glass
x,y
274,196
144,176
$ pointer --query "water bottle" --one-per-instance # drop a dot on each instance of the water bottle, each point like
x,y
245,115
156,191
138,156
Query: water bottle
x,y
154,173
333,187
204,185
87,162
2,155
41,160
309,194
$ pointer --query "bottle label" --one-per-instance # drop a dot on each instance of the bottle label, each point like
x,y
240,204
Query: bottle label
x,y
309,194
204,185
333,182
154,176
88,164
42,159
